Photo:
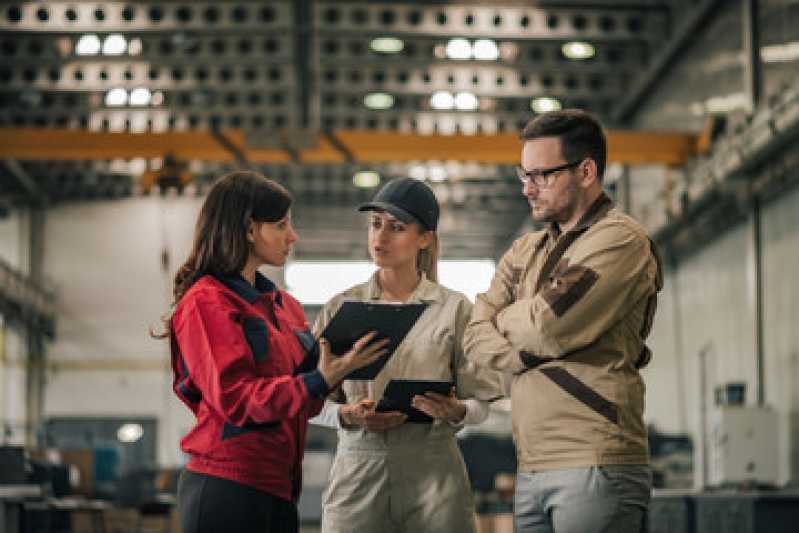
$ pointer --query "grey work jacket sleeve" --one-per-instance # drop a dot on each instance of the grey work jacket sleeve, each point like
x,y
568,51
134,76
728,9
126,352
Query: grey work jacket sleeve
x,y
592,287
483,343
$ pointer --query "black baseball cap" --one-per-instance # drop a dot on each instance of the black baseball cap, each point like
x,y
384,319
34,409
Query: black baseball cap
x,y
408,200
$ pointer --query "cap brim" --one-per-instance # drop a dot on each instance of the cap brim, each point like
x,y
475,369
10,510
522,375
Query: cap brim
x,y
393,210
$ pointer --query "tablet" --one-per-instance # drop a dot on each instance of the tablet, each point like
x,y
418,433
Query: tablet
x,y
354,319
400,392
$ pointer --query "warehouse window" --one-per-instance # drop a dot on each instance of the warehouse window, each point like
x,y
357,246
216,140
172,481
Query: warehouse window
x,y
315,282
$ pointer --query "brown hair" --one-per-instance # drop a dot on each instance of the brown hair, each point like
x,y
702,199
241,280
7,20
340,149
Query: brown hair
x,y
427,258
220,236
580,135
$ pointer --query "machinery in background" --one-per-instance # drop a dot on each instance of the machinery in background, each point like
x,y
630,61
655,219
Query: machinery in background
x,y
172,174
743,446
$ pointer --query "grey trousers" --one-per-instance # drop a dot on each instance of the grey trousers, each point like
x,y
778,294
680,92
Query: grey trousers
x,y
595,499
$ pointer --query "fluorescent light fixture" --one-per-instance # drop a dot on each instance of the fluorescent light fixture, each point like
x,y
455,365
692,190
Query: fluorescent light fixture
x,y
129,433
378,101
158,98
366,179
544,104
116,97
437,173
578,50
466,101
459,49
387,45
315,282
140,96
485,50
135,46
114,45
88,45
418,172
780,53
442,100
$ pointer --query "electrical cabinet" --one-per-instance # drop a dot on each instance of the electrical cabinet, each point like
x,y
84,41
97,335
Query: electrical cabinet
x,y
743,446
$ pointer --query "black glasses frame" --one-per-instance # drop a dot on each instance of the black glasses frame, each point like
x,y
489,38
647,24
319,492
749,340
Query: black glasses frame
x,y
541,177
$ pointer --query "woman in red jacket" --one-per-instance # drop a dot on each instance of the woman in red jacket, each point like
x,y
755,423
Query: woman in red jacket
x,y
241,364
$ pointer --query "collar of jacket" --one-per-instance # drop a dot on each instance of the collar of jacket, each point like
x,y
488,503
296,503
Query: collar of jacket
x,y
426,292
246,291
598,209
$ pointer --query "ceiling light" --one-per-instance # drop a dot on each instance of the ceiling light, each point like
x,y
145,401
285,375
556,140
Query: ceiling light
x,y
544,104
140,96
578,50
485,50
130,432
366,179
116,97
158,98
135,46
459,49
437,173
88,45
387,45
442,100
378,101
466,101
114,45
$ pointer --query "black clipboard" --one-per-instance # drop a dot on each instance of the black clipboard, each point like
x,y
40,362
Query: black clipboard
x,y
355,319
399,393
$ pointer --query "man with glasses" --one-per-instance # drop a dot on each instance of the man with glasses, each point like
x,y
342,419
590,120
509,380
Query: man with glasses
x,y
567,314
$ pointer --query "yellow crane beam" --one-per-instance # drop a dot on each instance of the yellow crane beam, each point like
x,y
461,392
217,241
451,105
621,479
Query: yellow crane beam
x,y
626,147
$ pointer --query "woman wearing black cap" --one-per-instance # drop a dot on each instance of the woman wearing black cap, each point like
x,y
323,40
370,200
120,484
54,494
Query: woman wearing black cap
x,y
389,476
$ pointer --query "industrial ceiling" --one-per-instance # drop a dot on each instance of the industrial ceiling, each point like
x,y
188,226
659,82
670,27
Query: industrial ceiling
x,y
312,92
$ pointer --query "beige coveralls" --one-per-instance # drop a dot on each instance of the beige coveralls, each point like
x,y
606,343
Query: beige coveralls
x,y
411,478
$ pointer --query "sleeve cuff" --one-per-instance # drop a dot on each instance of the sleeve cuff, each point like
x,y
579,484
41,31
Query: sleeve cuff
x,y
530,360
328,417
315,383
476,412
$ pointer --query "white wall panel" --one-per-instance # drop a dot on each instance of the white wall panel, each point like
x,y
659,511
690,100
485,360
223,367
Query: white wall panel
x,y
666,394
781,328
105,259
11,235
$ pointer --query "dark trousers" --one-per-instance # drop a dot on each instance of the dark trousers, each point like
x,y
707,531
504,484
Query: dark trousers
x,y
209,504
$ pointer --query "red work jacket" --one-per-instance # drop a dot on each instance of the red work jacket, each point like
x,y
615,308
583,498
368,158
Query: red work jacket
x,y
236,356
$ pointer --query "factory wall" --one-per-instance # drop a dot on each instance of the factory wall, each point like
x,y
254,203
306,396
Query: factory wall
x,y
707,309
13,251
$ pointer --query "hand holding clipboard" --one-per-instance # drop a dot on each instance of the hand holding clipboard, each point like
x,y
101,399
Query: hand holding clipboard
x,y
355,319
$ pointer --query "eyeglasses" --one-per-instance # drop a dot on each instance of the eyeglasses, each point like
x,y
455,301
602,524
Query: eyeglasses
x,y
543,177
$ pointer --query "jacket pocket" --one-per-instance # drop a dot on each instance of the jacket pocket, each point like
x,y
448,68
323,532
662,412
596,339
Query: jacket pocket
x,y
257,337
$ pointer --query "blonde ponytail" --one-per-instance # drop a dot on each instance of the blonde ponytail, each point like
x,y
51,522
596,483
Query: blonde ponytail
x,y
427,259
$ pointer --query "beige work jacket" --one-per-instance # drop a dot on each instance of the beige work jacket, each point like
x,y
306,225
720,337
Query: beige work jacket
x,y
568,315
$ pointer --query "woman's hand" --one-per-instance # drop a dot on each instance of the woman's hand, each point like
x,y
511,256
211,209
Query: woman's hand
x,y
363,414
440,407
364,352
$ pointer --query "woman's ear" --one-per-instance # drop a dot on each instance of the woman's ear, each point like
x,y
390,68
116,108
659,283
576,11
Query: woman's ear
x,y
251,231
426,239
